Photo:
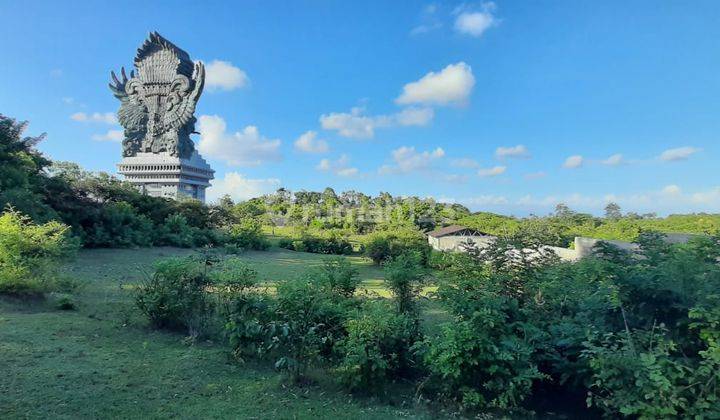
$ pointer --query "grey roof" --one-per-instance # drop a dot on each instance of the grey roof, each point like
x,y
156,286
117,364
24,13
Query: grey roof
x,y
449,230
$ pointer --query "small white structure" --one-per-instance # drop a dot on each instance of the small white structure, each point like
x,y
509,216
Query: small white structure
x,y
451,238
163,175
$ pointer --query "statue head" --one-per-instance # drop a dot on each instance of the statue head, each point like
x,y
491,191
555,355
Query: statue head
x,y
159,100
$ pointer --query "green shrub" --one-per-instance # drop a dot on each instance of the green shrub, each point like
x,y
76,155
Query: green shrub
x,y
286,243
29,254
248,311
177,232
120,225
311,321
64,301
248,235
299,246
637,376
377,349
233,278
175,296
404,275
483,362
339,276
381,246
333,243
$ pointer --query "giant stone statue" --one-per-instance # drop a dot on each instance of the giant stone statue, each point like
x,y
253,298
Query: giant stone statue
x,y
157,104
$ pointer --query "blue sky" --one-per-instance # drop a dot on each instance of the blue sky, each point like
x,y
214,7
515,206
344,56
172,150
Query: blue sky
x,y
509,106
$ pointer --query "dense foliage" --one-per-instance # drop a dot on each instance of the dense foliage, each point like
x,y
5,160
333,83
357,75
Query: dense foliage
x,y
330,241
564,225
638,332
626,334
29,254
174,297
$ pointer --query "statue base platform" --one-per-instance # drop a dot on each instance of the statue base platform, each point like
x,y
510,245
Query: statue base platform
x,y
162,175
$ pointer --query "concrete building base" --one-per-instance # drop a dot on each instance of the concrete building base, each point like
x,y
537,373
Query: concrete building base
x,y
162,175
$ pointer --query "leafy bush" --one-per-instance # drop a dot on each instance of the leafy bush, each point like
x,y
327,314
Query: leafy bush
x,y
333,243
29,253
339,276
119,225
404,275
177,232
175,297
484,357
248,311
248,235
377,349
381,246
312,322
298,327
286,243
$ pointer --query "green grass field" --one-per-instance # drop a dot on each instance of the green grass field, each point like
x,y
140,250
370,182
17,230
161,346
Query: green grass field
x,y
102,360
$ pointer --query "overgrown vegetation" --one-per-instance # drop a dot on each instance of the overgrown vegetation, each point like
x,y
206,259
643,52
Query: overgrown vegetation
x,y
638,333
29,254
624,327
565,224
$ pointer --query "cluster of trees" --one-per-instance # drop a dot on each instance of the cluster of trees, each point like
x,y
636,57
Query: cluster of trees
x,y
102,211
564,224
351,210
105,212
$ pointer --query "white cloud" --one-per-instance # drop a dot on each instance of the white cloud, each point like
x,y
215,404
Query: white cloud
x,y
107,117
464,163
486,200
68,100
242,148
357,125
111,135
518,151
407,159
574,161
680,153
535,175
56,73
454,178
425,28
347,172
222,75
240,188
476,23
352,124
452,85
340,167
309,143
430,21
414,116
614,160
494,171
667,200
671,189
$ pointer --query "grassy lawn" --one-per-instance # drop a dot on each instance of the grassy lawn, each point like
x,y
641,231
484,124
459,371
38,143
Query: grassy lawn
x,y
103,361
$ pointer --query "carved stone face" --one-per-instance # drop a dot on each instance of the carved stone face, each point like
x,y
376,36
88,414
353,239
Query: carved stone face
x,y
158,88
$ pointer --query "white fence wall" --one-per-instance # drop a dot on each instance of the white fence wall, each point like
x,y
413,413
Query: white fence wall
x,y
582,246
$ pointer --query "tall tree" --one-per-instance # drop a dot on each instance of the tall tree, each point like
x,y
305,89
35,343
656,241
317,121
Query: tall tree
x,y
612,211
